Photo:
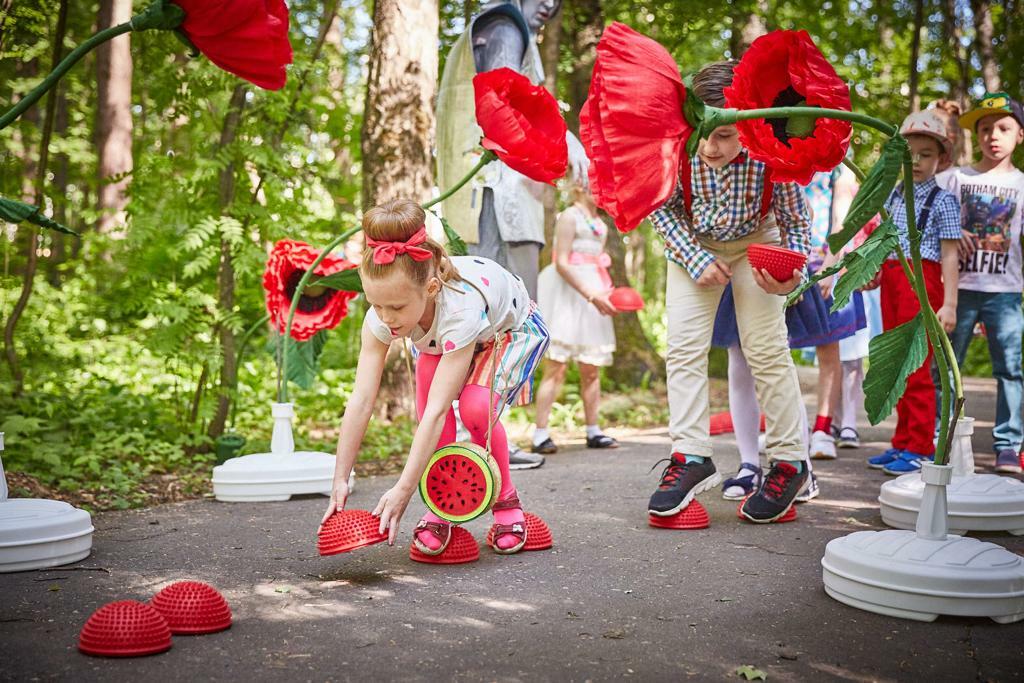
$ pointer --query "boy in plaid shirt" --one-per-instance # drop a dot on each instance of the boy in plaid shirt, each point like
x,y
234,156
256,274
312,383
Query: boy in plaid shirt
x,y
938,220
730,206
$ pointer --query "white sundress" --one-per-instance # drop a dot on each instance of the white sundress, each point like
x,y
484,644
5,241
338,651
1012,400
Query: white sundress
x,y
578,330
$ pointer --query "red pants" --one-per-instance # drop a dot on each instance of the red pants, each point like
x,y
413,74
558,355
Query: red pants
x,y
915,412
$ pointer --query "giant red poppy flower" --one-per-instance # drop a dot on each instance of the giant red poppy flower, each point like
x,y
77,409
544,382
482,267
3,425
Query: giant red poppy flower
x,y
781,69
248,38
319,308
632,125
521,123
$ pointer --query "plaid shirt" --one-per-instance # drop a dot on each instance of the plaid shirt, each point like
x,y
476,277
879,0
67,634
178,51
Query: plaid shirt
x,y
943,220
727,206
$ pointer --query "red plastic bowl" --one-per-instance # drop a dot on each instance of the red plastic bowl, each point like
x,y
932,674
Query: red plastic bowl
x,y
192,608
778,261
461,548
126,628
348,530
626,299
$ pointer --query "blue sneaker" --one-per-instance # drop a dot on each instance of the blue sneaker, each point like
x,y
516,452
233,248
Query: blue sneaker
x,y
907,462
888,457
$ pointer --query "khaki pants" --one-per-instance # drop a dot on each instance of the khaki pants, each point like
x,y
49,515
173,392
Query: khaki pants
x,y
762,327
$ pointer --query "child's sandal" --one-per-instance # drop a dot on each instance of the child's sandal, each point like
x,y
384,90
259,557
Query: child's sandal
x,y
517,529
442,531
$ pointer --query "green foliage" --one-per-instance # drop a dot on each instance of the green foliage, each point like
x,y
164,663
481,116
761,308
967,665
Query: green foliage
x,y
873,192
347,280
894,355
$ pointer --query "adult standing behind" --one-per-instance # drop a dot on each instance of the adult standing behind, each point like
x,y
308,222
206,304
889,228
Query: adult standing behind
x,y
501,216
573,299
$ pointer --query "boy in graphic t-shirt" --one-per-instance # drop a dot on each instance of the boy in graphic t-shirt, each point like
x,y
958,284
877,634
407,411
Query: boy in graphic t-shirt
x,y
990,193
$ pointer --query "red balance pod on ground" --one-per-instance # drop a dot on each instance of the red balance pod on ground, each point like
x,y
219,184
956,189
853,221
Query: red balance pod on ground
x,y
192,608
348,530
538,535
693,516
626,299
778,261
461,548
125,628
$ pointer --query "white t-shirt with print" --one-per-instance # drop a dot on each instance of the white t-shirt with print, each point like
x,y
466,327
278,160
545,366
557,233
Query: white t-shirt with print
x,y
990,209
462,316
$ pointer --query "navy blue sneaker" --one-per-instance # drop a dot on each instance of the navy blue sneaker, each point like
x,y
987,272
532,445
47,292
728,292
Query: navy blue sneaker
x,y
887,458
907,462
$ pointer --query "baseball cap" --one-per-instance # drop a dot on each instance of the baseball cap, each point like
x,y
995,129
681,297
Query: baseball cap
x,y
928,123
993,103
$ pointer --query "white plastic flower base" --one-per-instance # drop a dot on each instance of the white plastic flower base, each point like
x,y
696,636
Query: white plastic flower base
x,y
36,533
924,573
976,502
278,475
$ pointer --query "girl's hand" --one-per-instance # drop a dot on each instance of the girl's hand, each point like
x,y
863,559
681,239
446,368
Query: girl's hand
x,y
947,317
825,286
603,303
390,508
769,284
339,494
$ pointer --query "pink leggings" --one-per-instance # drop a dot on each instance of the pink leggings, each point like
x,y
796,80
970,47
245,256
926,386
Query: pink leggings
x,y
475,411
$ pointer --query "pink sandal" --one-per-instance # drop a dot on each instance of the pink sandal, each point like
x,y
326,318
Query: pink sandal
x,y
442,531
517,529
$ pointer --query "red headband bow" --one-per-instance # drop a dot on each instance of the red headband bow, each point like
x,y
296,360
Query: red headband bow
x,y
385,252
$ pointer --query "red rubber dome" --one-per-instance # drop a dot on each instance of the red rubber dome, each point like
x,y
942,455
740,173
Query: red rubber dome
x,y
778,261
461,548
126,628
192,607
693,516
626,299
348,530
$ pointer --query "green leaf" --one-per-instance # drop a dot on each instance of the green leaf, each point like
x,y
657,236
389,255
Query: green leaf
x,y
304,359
863,263
876,188
894,355
346,280
750,673
456,245
13,211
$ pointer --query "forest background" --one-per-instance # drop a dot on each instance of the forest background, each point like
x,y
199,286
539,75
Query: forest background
x,y
125,349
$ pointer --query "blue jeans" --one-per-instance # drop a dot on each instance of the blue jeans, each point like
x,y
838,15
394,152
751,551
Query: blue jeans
x,y
1001,314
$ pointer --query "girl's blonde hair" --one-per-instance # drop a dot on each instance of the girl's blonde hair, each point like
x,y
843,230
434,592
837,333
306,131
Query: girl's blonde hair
x,y
397,221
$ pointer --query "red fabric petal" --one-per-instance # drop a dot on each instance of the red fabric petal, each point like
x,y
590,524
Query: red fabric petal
x,y
248,38
521,124
775,62
632,125
287,257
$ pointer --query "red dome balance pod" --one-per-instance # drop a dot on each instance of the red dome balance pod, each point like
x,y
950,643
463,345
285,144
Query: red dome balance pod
x,y
693,516
626,299
126,628
538,535
348,530
192,608
461,548
788,517
778,261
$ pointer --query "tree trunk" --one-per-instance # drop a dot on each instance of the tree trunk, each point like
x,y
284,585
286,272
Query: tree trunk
x,y
915,52
984,33
113,117
5,8
398,123
226,271
60,184
635,359
953,33
398,132
550,47
32,257
748,24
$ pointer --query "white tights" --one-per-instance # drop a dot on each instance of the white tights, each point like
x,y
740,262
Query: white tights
x,y
744,409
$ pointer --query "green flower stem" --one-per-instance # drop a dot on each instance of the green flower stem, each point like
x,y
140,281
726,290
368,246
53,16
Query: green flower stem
x,y
730,116
159,15
487,158
282,394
